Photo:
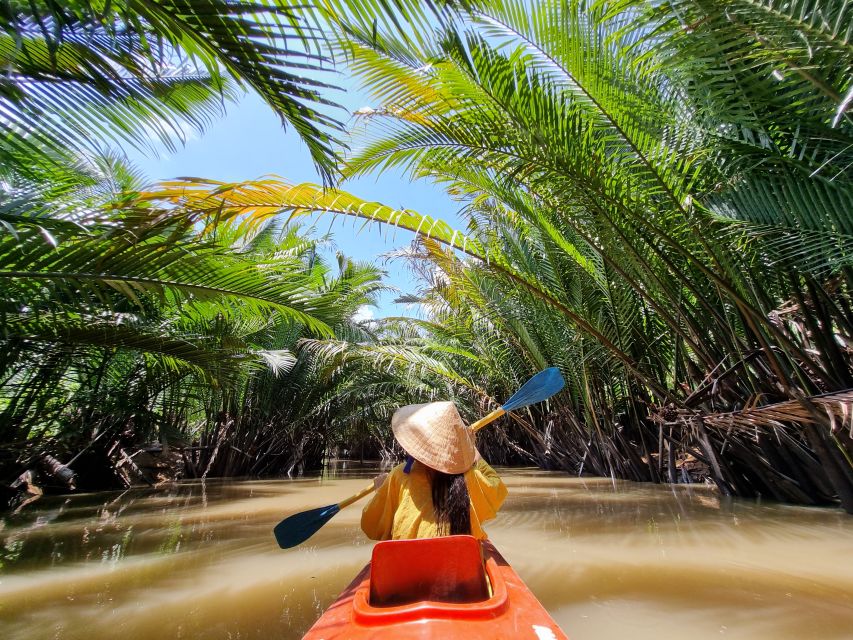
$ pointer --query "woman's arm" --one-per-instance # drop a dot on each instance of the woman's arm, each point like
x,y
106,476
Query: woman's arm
x,y
486,489
377,518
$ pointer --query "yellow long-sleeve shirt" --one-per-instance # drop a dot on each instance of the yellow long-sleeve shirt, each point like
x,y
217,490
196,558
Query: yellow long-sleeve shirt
x,y
402,508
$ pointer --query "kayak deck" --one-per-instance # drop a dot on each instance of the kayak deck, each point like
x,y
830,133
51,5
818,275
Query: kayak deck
x,y
450,587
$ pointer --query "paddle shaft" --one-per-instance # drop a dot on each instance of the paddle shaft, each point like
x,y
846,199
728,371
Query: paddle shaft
x,y
367,490
482,422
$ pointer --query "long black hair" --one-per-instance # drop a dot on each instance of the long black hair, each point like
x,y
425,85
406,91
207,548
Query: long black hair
x,y
451,503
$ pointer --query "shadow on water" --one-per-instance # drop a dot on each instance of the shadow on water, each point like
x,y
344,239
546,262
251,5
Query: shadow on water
x,y
608,559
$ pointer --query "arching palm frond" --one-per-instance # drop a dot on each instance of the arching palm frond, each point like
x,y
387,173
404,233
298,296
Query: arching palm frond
x,y
132,71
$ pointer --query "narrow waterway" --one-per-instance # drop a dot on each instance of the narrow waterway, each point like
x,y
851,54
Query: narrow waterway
x,y
608,560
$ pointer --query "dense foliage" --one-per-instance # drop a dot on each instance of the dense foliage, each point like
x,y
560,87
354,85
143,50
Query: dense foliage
x,y
126,322
658,201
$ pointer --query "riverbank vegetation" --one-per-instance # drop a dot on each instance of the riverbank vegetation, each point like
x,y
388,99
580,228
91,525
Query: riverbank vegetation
x,y
657,199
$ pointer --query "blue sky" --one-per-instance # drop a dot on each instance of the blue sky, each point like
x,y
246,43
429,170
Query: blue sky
x,y
249,142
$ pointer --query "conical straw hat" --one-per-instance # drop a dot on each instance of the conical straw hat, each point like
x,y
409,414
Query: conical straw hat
x,y
435,435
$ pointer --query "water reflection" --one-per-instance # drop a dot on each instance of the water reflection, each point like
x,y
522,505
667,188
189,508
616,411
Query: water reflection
x,y
609,560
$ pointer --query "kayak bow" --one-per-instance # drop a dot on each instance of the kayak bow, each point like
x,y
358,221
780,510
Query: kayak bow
x,y
449,587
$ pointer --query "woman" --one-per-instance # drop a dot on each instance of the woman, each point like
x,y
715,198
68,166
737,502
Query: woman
x,y
444,488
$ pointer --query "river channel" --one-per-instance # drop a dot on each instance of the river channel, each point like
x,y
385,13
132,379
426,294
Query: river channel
x,y
609,560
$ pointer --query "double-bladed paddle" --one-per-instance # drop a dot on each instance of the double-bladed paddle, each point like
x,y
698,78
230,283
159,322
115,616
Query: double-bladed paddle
x,y
297,528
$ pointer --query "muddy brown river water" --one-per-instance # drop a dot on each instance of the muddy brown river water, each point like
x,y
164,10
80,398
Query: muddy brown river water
x,y
608,560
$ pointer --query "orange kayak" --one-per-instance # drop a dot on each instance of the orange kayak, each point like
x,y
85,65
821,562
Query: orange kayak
x,y
450,587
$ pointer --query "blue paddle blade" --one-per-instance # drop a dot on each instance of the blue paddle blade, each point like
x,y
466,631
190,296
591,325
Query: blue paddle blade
x,y
540,387
299,527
